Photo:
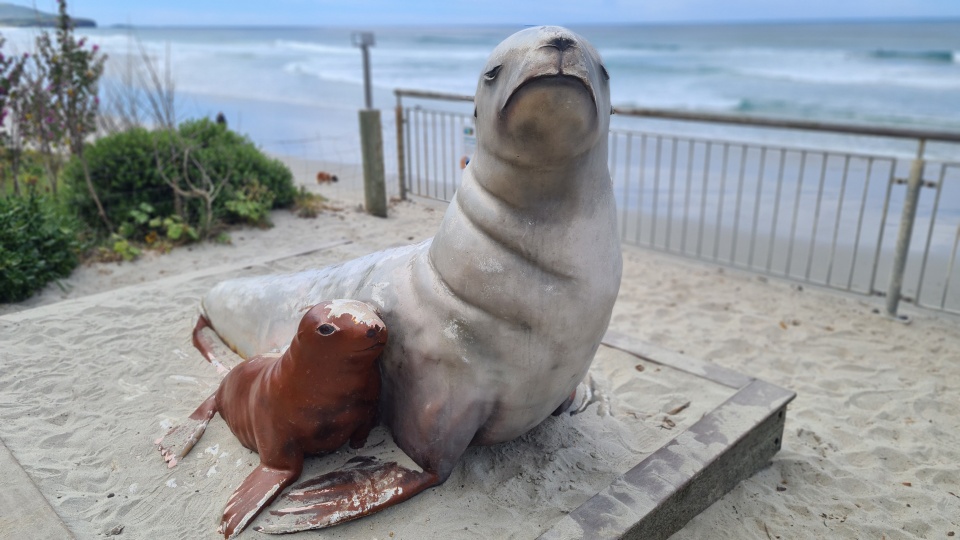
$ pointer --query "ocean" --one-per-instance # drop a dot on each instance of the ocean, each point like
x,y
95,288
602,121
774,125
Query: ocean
x,y
282,83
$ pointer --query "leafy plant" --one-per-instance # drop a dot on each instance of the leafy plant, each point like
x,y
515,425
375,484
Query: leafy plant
x,y
38,244
251,204
156,232
123,248
307,204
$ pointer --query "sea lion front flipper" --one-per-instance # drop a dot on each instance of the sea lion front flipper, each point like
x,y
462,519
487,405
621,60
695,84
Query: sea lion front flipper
x,y
179,440
257,491
363,486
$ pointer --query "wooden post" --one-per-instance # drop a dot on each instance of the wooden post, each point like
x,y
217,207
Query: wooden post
x,y
371,144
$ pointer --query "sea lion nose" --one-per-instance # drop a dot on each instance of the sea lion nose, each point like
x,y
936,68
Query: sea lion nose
x,y
372,333
561,43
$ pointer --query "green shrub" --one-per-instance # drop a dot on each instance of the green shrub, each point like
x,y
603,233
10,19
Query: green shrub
x,y
224,152
37,245
124,171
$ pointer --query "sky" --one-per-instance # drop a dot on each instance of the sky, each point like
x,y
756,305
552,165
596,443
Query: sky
x,y
423,12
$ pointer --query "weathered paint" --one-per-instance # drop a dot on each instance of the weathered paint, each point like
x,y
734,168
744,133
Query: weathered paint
x,y
270,403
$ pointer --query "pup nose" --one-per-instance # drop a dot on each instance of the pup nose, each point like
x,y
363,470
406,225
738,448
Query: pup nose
x,y
372,333
561,43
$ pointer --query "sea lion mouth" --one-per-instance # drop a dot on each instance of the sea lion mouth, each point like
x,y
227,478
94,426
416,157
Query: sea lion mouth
x,y
553,78
378,345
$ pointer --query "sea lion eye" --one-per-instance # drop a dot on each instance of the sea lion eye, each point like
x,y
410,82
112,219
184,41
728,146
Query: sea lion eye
x,y
326,329
606,76
492,74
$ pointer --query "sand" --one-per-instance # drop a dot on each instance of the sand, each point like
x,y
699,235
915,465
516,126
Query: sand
x,y
94,371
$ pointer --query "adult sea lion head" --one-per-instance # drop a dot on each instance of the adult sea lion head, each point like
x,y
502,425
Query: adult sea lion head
x,y
543,99
341,329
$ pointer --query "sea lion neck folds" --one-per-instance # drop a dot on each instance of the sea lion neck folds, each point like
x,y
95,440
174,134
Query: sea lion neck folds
x,y
494,321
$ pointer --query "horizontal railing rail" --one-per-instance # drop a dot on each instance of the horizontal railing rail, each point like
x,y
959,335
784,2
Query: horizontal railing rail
x,y
863,221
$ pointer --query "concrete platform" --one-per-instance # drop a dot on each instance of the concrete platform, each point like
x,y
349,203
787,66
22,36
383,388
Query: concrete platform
x,y
667,489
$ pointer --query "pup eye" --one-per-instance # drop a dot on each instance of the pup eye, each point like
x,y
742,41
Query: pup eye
x,y
606,76
326,329
492,74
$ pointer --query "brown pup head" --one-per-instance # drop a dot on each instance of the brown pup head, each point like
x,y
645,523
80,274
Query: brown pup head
x,y
338,330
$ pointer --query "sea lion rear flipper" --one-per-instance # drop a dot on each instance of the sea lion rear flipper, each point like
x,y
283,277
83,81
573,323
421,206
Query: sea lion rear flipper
x,y
204,346
179,440
363,486
258,490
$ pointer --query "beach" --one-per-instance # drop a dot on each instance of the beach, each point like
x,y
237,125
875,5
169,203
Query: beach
x,y
94,371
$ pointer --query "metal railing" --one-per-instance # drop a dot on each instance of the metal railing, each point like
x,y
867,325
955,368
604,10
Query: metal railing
x,y
827,217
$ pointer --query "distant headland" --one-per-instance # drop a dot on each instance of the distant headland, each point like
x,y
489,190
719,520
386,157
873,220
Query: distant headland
x,y
14,15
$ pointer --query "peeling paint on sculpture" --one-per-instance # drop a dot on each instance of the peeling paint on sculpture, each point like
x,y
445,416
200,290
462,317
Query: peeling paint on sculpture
x,y
495,320
321,393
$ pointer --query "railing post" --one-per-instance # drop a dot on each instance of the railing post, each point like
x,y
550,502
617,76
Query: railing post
x,y
907,219
401,159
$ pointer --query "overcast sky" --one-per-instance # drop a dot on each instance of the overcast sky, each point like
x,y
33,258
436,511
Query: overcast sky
x,y
423,12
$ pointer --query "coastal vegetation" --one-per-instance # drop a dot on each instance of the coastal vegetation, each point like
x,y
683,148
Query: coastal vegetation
x,y
84,180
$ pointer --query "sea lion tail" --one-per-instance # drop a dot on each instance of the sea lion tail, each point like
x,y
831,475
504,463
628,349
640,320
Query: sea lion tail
x,y
204,346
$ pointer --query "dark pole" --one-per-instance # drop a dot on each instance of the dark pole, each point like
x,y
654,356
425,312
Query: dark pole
x,y
367,93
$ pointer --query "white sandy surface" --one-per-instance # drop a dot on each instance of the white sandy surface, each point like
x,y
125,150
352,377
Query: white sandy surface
x,y
91,375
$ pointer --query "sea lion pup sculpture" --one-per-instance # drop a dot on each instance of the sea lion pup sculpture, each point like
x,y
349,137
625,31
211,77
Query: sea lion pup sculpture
x,y
495,320
319,394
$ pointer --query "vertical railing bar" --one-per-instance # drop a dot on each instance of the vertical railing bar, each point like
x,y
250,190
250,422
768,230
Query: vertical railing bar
x,y
686,197
856,240
612,166
436,168
656,192
933,220
883,224
953,260
673,177
756,205
796,211
723,189
451,157
776,209
419,118
703,196
643,165
463,125
736,206
424,149
613,154
401,159
626,183
816,215
408,149
836,225
444,160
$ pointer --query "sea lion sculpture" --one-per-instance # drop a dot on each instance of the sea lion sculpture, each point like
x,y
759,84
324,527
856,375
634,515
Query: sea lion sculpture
x,y
495,320
319,394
